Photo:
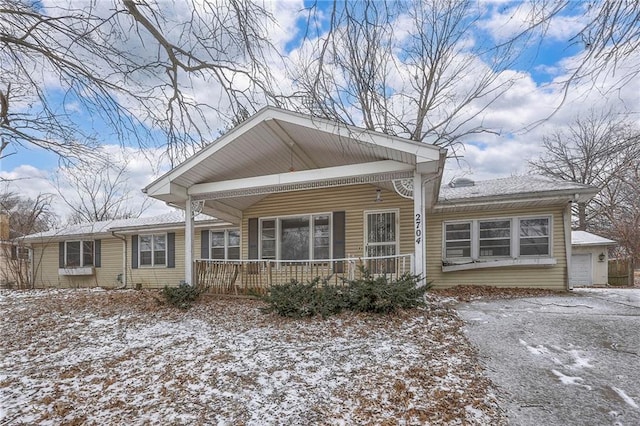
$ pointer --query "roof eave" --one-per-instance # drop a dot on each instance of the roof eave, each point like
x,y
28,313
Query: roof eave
x,y
528,197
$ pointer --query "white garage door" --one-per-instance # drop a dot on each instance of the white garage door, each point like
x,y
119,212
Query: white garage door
x,y
580,273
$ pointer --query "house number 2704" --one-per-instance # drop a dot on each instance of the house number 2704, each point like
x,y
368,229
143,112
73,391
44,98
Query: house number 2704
x,y
418,229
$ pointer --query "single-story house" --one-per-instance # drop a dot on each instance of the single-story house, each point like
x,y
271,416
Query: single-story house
x,y
298,196
589,259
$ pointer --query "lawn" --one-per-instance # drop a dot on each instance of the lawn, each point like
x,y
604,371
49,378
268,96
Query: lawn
x,y
113,357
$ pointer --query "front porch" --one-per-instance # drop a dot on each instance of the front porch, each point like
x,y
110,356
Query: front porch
x,y
250,277
292,187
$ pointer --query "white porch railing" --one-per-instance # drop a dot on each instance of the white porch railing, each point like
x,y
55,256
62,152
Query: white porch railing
x,y
256,276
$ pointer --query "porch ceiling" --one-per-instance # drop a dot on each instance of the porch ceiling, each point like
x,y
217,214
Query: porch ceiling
x,y
275,142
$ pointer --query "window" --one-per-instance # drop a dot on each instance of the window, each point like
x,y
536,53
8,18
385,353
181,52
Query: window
x,y
268,238
321,237
19,253
495,238
457,240
534,237
296,238
153,250
78,254
225,244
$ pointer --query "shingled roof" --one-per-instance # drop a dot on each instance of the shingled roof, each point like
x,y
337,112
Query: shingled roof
x,y
171,219
508,187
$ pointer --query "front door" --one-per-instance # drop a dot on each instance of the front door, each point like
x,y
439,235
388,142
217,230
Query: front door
x,y
381,240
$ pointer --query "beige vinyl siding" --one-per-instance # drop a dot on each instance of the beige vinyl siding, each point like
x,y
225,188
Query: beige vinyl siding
x,y
354,200
111,263
45,266
46,275
159,276
551,277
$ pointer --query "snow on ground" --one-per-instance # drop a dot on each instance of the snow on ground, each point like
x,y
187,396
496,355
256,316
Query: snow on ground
x,y
108,357
626,398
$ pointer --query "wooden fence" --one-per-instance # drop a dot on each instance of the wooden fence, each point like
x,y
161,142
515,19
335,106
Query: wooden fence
x,y
621,272
241,277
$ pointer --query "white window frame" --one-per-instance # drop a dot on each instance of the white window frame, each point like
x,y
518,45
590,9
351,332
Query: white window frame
x,y
366,233
444,237
81,263
549,236
278,242
510,238
226,243
514,233
22,253
153,258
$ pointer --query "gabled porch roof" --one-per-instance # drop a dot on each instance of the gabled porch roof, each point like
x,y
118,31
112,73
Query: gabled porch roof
x,y
277,150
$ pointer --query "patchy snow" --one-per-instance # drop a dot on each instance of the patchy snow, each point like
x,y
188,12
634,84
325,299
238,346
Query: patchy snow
x,y
626,398
569,380
106,357
571,358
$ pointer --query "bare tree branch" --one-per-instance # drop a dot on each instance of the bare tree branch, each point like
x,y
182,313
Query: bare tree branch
x,y
98,192
138,67
600,150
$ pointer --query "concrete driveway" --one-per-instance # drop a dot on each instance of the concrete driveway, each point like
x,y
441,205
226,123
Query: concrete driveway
x,y
571,360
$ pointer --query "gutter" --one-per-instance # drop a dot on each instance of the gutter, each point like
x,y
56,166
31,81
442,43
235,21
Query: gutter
x,y
454,204
124,259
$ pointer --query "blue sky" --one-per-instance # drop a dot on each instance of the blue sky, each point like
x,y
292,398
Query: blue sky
x,y
533,97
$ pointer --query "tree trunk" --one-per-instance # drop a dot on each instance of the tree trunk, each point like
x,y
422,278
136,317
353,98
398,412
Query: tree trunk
x,y
582,216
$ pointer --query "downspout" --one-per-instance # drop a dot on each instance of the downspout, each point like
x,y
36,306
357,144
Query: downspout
x,y
30,275
124,259
566,216
426,249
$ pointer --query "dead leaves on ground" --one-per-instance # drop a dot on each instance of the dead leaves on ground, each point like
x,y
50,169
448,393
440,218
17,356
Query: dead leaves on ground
x,y
414,367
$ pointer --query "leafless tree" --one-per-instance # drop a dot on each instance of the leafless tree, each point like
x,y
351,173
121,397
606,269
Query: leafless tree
x,y
97,192
138,66
412,68
24,216
610,35
604,151
620,220
150,70
425,69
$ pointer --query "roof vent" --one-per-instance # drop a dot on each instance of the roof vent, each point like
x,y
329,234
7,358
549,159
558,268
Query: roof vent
x,y
461,183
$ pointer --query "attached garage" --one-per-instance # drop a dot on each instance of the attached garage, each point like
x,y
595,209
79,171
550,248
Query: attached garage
x,y
589,259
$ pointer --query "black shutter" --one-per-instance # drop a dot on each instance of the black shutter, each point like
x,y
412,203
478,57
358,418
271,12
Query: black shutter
x,y
253,238
204,244
171,250
61,254
338,240
14,252
97,253
134,252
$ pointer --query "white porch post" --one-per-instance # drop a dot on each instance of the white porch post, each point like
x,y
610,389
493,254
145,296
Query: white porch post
x,y
188,243
419,267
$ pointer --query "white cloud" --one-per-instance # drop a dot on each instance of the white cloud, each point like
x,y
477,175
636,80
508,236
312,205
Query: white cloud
x,y
506,22
486,155
143,166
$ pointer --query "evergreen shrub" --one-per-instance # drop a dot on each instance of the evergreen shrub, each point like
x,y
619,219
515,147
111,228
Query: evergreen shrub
x,y
182,296
381,295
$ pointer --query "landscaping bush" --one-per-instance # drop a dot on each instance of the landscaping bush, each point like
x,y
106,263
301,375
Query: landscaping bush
x,y
182,296
295,299
368,294
382,295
